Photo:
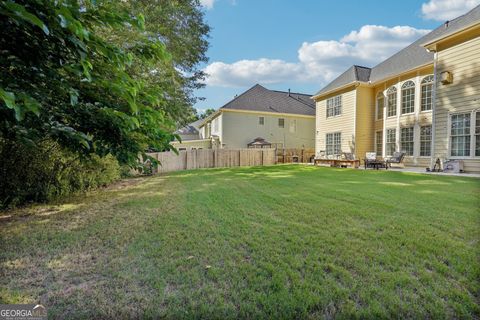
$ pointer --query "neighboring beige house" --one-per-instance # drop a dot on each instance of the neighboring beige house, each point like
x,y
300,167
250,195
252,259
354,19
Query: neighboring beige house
x,y
403,104
283,119
190,137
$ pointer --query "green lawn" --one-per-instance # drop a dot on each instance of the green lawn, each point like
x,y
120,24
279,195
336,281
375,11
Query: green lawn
x,y
272,242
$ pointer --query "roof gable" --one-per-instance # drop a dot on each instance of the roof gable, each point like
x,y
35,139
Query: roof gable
x,y
354,73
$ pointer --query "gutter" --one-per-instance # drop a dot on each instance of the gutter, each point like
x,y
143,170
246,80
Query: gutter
x,y
430,45
315,97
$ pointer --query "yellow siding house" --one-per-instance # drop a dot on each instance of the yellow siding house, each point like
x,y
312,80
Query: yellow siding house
x,y
424,101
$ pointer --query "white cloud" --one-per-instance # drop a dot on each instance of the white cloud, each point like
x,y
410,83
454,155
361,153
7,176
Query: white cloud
x,y
442,10
248,72
207,3
319,61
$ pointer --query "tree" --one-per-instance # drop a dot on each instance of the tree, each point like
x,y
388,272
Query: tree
x,y
180,25
207,113
62,79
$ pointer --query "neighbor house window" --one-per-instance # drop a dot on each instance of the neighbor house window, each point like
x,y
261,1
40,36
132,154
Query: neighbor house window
x,y
427,93
460,135
333,143
477,135
425,141
261,121
378,142
334,106
390,141
391,102
406,140
281,123
380,105
293,125
408,97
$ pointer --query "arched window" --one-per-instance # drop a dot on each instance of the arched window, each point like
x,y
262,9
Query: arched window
x,y
427,93
391,102
408,97
380,105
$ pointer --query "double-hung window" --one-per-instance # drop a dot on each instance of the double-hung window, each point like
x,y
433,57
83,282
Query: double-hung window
x,y
426,141
427,93
334,106
333,143
261,121
281,123
460,135
378,142
406,140
380,105
391,102
390,136
408,97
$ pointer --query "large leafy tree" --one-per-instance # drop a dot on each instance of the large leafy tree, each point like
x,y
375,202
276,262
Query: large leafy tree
x,y
180,26
64,79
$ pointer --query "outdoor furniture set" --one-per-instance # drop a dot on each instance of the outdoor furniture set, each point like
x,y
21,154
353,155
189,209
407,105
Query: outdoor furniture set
x,y
371,160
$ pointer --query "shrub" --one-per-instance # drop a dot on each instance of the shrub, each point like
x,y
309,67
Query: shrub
x,y
47,171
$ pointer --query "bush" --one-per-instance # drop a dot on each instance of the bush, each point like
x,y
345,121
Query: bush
x,y
46,172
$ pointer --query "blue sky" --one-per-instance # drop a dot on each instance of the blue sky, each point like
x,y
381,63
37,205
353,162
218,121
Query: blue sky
x,y
304,44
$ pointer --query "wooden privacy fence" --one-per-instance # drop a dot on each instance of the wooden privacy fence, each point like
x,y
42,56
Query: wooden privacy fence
x,y
213,158
294,155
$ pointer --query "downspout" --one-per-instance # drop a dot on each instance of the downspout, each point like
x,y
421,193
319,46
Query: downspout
x,y
355,121
434,105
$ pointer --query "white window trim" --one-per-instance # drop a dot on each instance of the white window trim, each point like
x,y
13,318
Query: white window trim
x,y
341,138
376,142
334,106
414,96
473,114
413,140
396,142
420,141
420,92
397,104
426,111
376,106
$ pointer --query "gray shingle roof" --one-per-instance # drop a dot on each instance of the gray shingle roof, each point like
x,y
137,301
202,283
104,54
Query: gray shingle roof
x,y
354,73
191,128
413,56
259,98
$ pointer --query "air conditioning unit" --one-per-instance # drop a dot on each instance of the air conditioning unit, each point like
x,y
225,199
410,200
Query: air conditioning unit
x,y
453,166
446,77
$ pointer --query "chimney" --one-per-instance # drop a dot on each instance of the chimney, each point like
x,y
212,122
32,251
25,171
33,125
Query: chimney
x,y
289,92
446,24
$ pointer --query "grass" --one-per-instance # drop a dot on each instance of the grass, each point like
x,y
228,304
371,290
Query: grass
x,y
273,242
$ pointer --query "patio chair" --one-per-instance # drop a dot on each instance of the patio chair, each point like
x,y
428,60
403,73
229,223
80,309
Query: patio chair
x,y
371,161
348,156
397,158
370,157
